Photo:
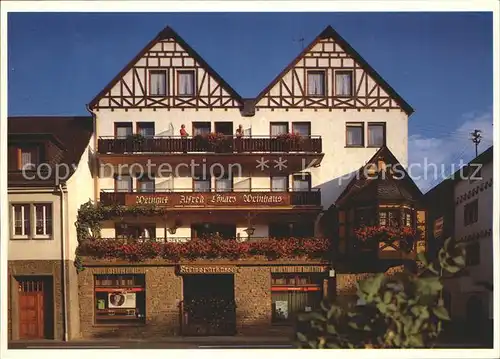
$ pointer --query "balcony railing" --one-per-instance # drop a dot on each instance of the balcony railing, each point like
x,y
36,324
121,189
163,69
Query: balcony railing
x,y
236,198
230,144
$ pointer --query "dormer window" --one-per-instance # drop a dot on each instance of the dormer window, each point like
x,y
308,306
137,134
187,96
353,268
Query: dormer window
x,y
343,83
158,82
186,85
316,83
28,157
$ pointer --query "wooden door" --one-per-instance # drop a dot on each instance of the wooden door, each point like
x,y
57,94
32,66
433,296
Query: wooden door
x,y
31,308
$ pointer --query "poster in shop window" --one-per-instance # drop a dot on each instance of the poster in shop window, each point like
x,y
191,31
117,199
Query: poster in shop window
x,y
282,309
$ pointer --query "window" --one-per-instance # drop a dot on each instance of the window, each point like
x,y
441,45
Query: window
x,y
186,86
120,299
158,82
343,83
302,182
364,217
389,218
285,230
472,254
302,128
279,184
145,184
146,129
43,219
376,134
355,135
316,83
471,212
293,293
279,128
123,183
207,230
135,231
201,128
407,218
223,184
28,157
21,220
123,129
201,184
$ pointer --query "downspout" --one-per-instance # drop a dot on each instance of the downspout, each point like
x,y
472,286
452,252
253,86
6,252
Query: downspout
x,y
95,165
63,266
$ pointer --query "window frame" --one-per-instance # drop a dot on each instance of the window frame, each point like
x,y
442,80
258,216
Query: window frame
x,y
308,124
128,124
35,152
51,209
281,123
355,125
316,72
343,72
139,124
200,124
307,178
157,71
287,183
13,220
384,131
116,176
183,72
471,212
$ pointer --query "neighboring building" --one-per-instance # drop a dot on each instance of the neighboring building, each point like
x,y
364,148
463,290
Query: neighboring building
x,y
43,286
382,196
342,111
468,218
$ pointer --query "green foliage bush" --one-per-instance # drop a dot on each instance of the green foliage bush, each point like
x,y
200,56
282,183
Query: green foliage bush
x,y
405,310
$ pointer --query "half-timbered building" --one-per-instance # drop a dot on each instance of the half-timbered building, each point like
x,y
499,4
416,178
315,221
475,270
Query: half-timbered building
x,y
208,204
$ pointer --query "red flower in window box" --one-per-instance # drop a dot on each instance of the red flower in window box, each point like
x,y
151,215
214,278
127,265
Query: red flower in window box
x,y
406,236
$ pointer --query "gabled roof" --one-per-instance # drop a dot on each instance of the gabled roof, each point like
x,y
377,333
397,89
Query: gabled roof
x,y
381,187
329,32
167,33
71,135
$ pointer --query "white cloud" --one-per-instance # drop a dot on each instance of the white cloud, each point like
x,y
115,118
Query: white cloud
x,y
432,159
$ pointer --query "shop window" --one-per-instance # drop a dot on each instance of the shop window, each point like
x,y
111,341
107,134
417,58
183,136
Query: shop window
x,y
120,299
292,294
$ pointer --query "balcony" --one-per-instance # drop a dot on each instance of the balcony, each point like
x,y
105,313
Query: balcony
x,y
231,200
230,144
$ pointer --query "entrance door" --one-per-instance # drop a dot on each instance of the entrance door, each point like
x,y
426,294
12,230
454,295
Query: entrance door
x,y
208,306
35,316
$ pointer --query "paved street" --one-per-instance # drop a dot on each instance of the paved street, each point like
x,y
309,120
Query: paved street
x,y
168,343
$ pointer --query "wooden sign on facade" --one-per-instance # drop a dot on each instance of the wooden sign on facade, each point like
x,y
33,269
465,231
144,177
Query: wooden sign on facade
x,y
207,270
203,200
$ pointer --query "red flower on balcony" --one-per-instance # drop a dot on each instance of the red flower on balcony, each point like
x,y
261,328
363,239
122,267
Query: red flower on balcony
x,y
210,248
407,236
290,138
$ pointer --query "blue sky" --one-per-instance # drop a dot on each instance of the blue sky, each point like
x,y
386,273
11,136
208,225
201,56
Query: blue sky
x,y
440,63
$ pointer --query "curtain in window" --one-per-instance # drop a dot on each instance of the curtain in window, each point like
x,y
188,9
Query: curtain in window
x,y
26,158
223,185
202,186
278,184
354,136
343,84
375,135
243,185
158,83
278,129
202,130
123,131
147,186
302,129
315,84
186,83
146,131
301,184
124,184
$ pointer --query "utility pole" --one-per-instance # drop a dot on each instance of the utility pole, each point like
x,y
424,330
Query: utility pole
x,y
476,138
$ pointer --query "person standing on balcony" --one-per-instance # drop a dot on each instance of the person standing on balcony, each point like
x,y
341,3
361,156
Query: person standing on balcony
x,y
239,135
184,136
